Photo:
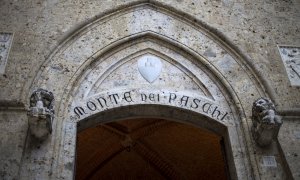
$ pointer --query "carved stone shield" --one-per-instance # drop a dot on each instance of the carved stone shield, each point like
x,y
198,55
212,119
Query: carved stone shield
x,y
149,67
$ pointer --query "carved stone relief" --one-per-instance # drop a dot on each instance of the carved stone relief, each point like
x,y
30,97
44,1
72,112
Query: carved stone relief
x,y
291,59
41,113
266,122
5,44
149,67
143,75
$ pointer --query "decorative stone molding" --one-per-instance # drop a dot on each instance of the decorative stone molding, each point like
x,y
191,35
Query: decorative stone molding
x,y
41,113
266,122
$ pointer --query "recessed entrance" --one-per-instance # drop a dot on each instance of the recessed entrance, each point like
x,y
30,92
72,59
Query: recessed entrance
x,y
149,149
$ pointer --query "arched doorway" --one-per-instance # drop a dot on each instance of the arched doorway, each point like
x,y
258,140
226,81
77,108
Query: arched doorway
x,y
148,148
201,76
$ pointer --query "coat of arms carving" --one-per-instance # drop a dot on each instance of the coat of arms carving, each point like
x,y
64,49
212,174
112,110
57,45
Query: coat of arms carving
x,y
150,67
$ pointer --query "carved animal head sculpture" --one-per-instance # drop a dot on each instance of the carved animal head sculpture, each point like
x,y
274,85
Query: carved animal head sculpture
x,y
266,122
41,113
42,97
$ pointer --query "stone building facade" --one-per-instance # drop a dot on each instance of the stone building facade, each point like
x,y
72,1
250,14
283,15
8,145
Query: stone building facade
x,y
68,66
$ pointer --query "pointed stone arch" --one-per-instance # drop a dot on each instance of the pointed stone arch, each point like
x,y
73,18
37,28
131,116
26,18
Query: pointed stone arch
x,y
222,76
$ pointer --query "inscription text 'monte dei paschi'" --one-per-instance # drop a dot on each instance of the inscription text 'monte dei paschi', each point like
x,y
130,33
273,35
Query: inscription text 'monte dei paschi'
x,y
102,102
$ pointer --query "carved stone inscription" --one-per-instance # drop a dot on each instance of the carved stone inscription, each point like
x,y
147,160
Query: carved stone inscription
x,y
291,60
5,44
102,102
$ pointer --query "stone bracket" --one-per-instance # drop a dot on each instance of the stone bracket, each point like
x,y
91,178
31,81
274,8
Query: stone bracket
x,y
41,113
266,122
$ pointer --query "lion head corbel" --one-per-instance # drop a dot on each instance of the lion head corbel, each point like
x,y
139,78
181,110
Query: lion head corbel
x,y
41,113
266,122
